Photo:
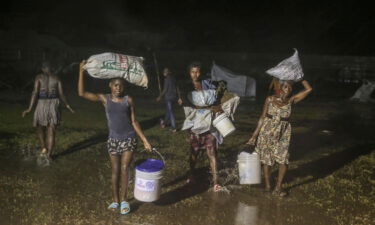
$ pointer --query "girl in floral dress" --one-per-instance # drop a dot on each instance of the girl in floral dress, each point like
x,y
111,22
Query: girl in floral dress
x,y
272,135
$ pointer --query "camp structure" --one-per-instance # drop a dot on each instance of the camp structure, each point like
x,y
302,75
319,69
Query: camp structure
x,y
363,93
243,86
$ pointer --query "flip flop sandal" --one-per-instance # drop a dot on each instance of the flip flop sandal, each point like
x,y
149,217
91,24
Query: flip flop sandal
x,y
125,208
113,206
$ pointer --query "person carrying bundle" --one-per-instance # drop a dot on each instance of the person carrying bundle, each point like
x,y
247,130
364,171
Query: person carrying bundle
x,y
123,128
272,134
204,136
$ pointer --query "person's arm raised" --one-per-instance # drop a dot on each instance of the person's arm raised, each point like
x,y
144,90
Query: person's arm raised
x,y
302,94
81,87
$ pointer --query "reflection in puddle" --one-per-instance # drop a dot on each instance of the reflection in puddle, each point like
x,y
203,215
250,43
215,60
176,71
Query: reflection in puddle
x,y
124,220
246,214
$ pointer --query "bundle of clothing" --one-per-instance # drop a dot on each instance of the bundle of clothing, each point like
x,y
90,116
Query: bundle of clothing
x,y
200,120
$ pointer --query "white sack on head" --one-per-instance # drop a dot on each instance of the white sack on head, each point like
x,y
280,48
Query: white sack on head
x,y
288,69
112,65
202,98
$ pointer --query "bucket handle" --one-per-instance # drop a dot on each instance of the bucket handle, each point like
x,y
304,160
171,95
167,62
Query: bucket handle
x,y
153,150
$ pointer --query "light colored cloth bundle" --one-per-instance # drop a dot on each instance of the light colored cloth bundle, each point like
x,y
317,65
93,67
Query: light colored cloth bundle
x,y
113,65
288,69
200,120
202,98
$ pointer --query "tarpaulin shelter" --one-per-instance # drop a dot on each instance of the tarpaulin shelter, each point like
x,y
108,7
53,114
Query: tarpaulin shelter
x,y
243,86
363,93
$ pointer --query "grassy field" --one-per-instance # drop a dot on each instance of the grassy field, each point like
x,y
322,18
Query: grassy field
x,y
330,178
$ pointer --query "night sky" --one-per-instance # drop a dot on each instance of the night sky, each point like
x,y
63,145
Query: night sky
x,y
329,27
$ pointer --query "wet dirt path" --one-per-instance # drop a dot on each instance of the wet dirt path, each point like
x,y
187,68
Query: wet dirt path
x,y
75,189
66,192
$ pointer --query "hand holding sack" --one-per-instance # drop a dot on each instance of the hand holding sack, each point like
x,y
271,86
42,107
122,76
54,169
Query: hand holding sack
x,y
113,65
288,69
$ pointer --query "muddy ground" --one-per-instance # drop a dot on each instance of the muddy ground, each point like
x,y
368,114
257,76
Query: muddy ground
x,y
330,178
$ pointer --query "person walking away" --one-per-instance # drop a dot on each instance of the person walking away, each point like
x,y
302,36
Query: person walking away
x,y
47,93
171,93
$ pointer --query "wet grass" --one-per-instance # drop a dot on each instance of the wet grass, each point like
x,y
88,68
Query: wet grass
x,y
331,175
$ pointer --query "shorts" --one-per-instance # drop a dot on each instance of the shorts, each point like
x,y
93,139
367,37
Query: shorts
x,y
117,147
202,141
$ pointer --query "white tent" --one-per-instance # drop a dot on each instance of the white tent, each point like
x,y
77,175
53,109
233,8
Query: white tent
x,y
240,84
363,93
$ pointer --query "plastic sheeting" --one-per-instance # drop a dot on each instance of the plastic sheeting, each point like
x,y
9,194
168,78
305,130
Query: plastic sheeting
x,y
363,93
240,84
288,69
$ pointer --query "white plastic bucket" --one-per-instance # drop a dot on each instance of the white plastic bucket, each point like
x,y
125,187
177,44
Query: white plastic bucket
x,y
249,168
147,180
224,125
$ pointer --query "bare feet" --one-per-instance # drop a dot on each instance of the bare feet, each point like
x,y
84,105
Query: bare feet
x,y
44,151
43,158
217,187
162,124
190,180
279,193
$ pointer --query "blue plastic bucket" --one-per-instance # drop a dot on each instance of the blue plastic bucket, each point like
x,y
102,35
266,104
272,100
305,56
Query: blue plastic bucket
x,y
147,180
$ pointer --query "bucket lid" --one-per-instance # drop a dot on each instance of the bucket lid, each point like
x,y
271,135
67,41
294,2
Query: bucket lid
x,y
150,165
244,154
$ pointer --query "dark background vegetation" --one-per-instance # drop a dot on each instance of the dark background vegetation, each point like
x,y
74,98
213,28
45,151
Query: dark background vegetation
x,y
323,27
334,38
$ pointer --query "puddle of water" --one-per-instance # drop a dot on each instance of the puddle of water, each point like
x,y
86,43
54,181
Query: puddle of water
x,y
246,214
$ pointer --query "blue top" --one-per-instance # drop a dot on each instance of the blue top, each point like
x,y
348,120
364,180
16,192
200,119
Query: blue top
x,y
119,124
43,94
150,165
208,84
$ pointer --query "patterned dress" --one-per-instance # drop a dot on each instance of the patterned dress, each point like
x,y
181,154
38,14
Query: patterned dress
x,y
47,111
274,136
